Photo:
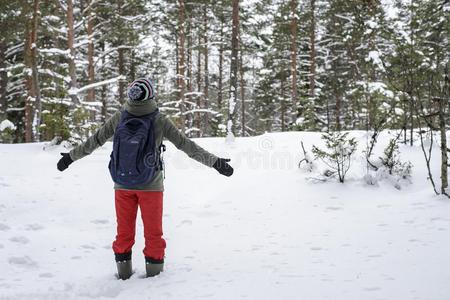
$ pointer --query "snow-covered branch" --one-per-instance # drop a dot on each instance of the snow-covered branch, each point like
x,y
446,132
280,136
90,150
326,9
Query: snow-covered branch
x,y
54,51
109,51
94,85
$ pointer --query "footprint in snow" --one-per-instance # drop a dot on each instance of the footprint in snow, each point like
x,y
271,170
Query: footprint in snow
x,y
372,289
1,246
389,279
206,295
100,221
19,240
256,248
316,248
383,205
185,222
34,227
87,247
4,227
46,275
93,291
317,262
22,261
207,214
334,208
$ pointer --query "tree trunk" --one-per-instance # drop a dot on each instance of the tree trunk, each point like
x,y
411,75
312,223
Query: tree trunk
x,y
312,53
189,58
103,92
411,120
294,95
104,104
70,43
411,76
90,33
189,81
283,105
177,61
221,50
181,15
206,73
33,101
133,64
338,112
35,74
233,69
29,107
121,58
444,153
220,79
404,104
328,114
442,126
242,87
122,81
199,85
3,82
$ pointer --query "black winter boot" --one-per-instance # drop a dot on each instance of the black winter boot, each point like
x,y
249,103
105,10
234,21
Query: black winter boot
x,y
153,266
124,266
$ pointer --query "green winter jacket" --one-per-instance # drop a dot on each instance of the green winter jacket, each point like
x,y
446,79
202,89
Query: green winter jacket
x,y
164,128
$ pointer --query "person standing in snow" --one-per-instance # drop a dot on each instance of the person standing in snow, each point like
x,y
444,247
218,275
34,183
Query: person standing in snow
x,y
136,168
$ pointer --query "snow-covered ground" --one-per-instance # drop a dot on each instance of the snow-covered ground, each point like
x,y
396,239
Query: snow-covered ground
x,y
265,233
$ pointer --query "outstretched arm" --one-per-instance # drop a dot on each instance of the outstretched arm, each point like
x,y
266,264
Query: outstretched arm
x,y
193,150
97,139
92,143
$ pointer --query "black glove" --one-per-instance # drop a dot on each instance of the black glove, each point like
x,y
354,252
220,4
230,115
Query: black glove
x,y
64,162
222,166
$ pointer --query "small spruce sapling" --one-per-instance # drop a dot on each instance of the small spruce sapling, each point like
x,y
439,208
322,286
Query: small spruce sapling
x,y
7,131
339,152
306,163
391,161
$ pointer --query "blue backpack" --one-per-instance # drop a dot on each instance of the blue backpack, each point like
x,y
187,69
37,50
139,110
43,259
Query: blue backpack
x,y
135,157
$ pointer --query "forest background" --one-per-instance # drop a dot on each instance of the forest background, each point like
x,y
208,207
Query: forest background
x,y
242,67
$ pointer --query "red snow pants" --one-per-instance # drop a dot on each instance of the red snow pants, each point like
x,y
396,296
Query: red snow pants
x,y
151,206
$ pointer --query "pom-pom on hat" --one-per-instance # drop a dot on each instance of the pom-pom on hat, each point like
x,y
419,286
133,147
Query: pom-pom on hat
x,y
141,90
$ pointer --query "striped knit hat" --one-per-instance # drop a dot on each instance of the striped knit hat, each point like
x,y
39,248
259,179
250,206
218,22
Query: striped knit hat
x,y
141,90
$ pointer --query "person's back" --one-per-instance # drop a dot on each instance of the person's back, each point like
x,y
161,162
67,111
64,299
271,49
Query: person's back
x,y
147,192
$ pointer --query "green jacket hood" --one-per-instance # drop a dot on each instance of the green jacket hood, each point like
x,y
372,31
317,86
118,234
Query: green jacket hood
x,y
140,108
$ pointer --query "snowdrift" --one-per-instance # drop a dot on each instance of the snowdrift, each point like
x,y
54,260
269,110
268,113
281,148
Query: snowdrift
x,y
265,233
